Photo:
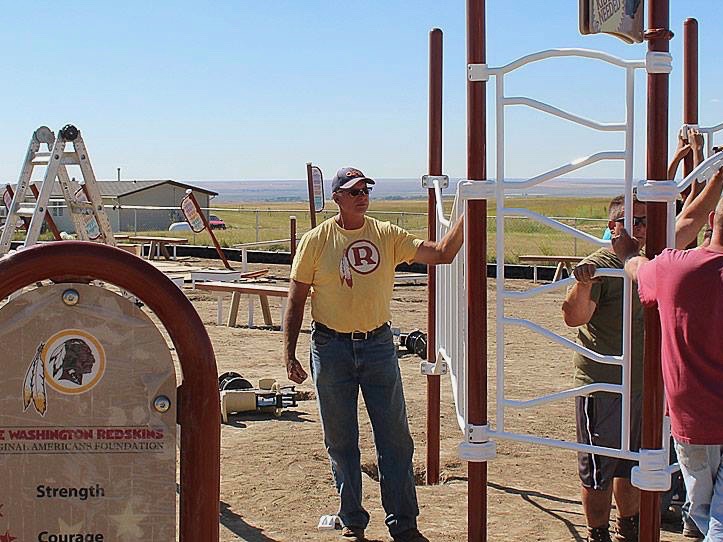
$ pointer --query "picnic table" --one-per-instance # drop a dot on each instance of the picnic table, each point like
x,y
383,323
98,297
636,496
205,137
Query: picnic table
x,y
566,262
159,245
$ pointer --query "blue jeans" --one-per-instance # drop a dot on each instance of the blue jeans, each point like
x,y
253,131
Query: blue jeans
x,y
341,367
702,468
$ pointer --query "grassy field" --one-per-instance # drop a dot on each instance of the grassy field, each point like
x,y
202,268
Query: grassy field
x,y
523,236
252,222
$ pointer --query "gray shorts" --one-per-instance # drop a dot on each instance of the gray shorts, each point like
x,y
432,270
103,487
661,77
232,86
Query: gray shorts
x,y
598,423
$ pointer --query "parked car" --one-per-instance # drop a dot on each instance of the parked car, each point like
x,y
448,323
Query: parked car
x,y
216,223
179,226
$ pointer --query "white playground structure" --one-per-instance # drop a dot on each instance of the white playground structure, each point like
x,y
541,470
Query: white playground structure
x,y
478,444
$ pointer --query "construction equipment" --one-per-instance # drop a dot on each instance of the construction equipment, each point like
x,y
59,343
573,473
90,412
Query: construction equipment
x,y
83,201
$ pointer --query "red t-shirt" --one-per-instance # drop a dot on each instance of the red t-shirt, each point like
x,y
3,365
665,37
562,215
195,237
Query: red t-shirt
x,y
687,285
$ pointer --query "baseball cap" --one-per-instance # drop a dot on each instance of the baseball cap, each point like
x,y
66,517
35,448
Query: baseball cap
x,y
347,177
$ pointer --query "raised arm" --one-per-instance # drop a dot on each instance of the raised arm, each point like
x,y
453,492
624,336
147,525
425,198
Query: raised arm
x,y
578,307
680,152
628,249
694,215
298,291
444,250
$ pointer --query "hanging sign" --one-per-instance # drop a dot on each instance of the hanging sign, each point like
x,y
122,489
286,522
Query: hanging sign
x,y
87,420
620,18
92,229
193,217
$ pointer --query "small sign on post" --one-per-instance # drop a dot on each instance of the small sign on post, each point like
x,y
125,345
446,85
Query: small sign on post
x,y
198,222
315,181
620,18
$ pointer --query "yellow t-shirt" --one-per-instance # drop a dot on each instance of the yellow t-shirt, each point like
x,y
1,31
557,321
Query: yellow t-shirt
x,y
351,272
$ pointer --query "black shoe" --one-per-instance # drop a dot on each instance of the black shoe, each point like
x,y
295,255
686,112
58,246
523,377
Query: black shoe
x,y
410,535
598,534
690,530
626,529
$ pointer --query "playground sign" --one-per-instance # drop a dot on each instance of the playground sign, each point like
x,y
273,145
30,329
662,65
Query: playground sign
x,y
87,420
620,18
193,217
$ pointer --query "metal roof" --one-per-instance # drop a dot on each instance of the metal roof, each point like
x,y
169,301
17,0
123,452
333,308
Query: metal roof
x,y
116,189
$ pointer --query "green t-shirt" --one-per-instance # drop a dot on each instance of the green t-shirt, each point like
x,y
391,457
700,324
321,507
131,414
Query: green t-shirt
x,y
604,332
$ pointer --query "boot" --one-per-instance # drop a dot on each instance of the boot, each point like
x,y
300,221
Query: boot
x,y
598,534
626,529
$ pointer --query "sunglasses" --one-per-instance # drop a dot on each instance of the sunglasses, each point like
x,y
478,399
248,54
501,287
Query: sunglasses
x,y
637,220
354,192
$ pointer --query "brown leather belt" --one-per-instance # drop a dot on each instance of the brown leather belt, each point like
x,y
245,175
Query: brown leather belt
x,y
354,335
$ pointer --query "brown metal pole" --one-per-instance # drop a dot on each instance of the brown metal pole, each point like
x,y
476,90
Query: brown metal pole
x,y
658,35
690,81
435,168
476,253
310,185
292,236
690,91
219,250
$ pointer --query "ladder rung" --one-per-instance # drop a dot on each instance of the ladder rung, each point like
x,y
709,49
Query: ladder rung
x,y
41,161
26,210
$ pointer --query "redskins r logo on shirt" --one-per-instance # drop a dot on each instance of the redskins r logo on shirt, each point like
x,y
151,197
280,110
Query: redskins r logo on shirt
x,y
362,256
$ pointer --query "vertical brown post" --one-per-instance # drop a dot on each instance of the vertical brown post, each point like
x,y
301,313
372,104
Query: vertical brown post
x,y
476,253
310,185
690,81
219,250
435,168
658,36
292,236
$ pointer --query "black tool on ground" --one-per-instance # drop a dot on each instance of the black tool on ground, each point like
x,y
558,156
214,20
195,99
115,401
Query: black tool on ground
x,y
415,342
233,381
268,397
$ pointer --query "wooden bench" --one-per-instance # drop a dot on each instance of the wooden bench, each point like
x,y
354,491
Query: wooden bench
x,y
159,245
264,291
223,275
567,262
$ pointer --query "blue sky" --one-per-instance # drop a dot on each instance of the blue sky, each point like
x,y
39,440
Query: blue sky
x,y
254,89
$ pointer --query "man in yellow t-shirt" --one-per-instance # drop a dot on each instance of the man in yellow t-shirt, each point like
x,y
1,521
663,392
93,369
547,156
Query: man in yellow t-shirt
x,y
348,263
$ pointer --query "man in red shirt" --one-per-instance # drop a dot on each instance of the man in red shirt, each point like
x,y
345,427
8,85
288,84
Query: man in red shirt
x,y
687,287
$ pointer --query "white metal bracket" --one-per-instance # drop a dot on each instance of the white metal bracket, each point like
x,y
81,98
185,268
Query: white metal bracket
x,y
660,191
476,189
428,181
653,473
477,447
685,129
428,368
658,62
478,72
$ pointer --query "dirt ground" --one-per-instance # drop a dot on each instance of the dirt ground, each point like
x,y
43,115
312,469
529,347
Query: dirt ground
x,y
275,476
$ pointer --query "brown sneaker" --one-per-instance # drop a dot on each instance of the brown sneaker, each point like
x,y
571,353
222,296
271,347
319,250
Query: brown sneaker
x,y
690,530
626,529
598,534
353,534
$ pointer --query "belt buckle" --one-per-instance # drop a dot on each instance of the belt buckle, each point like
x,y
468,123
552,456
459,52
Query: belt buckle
x,y
359,335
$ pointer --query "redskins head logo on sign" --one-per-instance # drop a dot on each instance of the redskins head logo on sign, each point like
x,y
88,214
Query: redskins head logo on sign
x,y
72,362
361,256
